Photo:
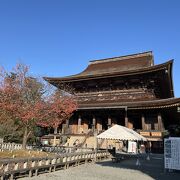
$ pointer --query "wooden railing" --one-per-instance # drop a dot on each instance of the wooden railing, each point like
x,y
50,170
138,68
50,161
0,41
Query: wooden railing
x,y
12,146
10,169
63,149
54,149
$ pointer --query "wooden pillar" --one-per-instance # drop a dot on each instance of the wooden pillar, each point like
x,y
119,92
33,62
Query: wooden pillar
x,y
126,118
143,122
79,124
67,122
109,122
67,130
85,125
93,124
160,123
99,125
126,121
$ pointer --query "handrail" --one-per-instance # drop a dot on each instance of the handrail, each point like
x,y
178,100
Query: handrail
x,y
30,166
12,146
83,141
55,149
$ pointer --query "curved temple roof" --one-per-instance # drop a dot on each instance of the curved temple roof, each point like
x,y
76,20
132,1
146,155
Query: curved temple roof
x,y
135,64
120,66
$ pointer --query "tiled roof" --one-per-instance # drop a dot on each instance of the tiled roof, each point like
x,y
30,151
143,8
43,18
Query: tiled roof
x,y
162,103
114,65
119,64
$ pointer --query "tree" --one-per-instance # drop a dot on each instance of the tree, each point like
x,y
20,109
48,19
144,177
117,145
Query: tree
x,y
174,130
9,129
56,109
24,99
19,95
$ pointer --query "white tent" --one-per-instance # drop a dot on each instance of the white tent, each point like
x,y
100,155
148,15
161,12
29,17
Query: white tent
x,y
118,132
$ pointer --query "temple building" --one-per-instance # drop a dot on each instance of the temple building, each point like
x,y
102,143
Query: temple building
x,y
128,90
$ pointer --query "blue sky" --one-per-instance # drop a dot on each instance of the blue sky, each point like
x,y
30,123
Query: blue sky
x,y
59,37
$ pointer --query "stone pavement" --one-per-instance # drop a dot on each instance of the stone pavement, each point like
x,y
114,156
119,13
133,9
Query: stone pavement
x,y
107,170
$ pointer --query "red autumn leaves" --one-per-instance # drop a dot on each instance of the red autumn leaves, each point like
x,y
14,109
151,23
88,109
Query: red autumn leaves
x,y
23,98
56,110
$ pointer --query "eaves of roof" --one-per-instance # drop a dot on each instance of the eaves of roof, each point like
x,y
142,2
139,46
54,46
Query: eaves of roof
x,y
153,104
79,77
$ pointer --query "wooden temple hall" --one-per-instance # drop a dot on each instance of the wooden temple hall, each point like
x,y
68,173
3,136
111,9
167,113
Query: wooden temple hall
x,y
128,90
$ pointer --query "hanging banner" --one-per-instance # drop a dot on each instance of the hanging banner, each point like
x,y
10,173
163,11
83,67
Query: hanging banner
x,y
132,147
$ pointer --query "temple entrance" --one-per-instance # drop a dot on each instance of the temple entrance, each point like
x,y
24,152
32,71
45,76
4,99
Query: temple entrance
x,y
137,122
120,115
104,123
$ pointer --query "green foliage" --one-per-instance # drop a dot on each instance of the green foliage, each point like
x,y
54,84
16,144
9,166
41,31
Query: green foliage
x,y
10,131
174,130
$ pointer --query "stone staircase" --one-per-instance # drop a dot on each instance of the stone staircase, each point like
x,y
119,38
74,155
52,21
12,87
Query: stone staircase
x,y
73,140
88,141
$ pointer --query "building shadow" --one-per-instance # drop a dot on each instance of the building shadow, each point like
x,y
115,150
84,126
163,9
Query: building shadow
x,y
153,167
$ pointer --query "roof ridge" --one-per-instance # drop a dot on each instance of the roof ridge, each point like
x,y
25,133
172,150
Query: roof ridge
x,y
118,58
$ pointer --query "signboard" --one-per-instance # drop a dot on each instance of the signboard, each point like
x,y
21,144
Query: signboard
x,y
144,133
172,153
157,134
132,147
